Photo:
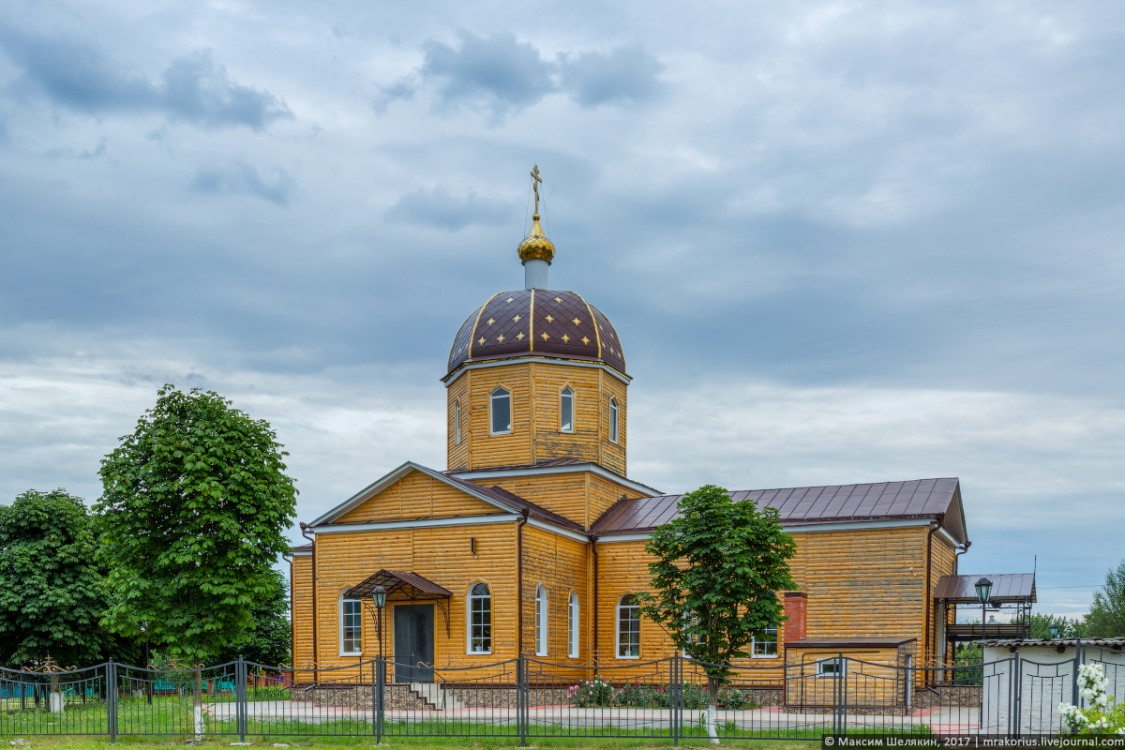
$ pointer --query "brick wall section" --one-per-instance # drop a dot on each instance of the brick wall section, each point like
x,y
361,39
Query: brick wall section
x,y
796,608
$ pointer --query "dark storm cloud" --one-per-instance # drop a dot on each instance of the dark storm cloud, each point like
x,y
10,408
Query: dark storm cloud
x,y
501,74
627,74
192,89
238,177
497,70
439,207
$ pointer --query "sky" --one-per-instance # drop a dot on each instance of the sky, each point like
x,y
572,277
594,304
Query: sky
x,y
840,241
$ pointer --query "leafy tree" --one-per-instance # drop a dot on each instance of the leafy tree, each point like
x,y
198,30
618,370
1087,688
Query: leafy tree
x,y
52,595
1066,627
719,566
194,505
270,638
1107,612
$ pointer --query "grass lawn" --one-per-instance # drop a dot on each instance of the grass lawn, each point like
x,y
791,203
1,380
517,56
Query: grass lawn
x,y
438,743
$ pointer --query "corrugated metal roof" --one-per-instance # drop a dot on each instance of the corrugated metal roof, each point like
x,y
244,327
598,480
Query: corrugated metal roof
x,y
1114,643
412,585
918,498
1006,587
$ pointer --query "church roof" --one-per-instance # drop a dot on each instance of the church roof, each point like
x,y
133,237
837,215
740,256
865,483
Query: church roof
x,y
536,322
939,499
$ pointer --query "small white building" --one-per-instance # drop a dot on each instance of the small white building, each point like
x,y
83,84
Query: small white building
x,y
1047,676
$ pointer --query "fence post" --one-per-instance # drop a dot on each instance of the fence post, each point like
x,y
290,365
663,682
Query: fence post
x,y
842,672
111,700
521,698
241,697
673,692
1016,703
380,688
1074,695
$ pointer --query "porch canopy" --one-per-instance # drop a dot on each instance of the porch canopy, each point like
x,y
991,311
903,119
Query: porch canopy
x,y
403,586
1017,589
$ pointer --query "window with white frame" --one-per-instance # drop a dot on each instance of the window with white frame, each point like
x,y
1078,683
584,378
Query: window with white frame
x,y
572,626
613,417
500,414
628,628
540,621
351,627
830,667
764,644
457,422
480,619
566,410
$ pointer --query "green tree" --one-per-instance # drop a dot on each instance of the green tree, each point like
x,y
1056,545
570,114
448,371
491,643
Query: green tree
x,y
52,595
269,639
1066,627
719,567
194,505
1107,612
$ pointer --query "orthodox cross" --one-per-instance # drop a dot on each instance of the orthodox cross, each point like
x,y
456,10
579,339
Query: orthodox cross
x,y
535,180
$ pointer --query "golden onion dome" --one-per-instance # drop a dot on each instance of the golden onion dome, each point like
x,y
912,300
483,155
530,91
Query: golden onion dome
x,y
535,245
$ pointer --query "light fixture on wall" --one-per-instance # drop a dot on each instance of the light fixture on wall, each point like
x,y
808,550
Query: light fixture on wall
x,y
473,545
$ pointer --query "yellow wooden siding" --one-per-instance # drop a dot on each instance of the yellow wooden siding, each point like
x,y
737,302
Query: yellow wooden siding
x,y
944,557
485,449
441,554
457,454
417,496
550,441
875,676
564,494
864,581
301,607
604,493
613,454
559,565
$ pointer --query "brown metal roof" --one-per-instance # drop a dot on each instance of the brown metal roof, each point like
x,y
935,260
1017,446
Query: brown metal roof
x,y
872,641
1115,642
1006,587
408,585
302,548
919,498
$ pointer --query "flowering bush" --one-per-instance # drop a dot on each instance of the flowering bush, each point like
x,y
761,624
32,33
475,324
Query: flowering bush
x,y
595,692
599,693
1102,715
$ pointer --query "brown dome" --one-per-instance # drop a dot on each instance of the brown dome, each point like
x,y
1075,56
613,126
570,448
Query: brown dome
x,y
539,323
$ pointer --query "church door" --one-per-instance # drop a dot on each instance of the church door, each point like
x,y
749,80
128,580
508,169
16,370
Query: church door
x,y
414,643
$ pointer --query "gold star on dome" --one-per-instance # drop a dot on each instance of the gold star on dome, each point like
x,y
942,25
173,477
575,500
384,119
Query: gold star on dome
x,y
576,322
585,340
510,299
558,299
500,338
491,321
544,336
520,336
550,319
566,339
516,319
481,341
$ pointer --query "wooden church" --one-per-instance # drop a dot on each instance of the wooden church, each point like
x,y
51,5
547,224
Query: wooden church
x,y
531,540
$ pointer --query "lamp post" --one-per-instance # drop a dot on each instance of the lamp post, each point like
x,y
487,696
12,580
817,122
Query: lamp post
x,y
1054,628
984,591
379,597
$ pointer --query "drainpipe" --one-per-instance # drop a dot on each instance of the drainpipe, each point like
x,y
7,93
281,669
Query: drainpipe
x,y
594,598
519,582
316,658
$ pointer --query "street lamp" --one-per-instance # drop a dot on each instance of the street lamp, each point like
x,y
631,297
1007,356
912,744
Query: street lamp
x,y
984,591
1054,628
379,597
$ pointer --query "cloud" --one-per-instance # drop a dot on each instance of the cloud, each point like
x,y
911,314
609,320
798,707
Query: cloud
x,y
439,207
192,89
627,74
238,177
497,71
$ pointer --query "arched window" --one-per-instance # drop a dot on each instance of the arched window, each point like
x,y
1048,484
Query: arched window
x,y
572,627
613,416
351,627
480,619
566,410
501,412
457,422
628,628
540,621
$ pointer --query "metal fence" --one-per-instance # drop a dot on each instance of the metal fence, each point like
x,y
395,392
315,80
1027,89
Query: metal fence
x,y
527,699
